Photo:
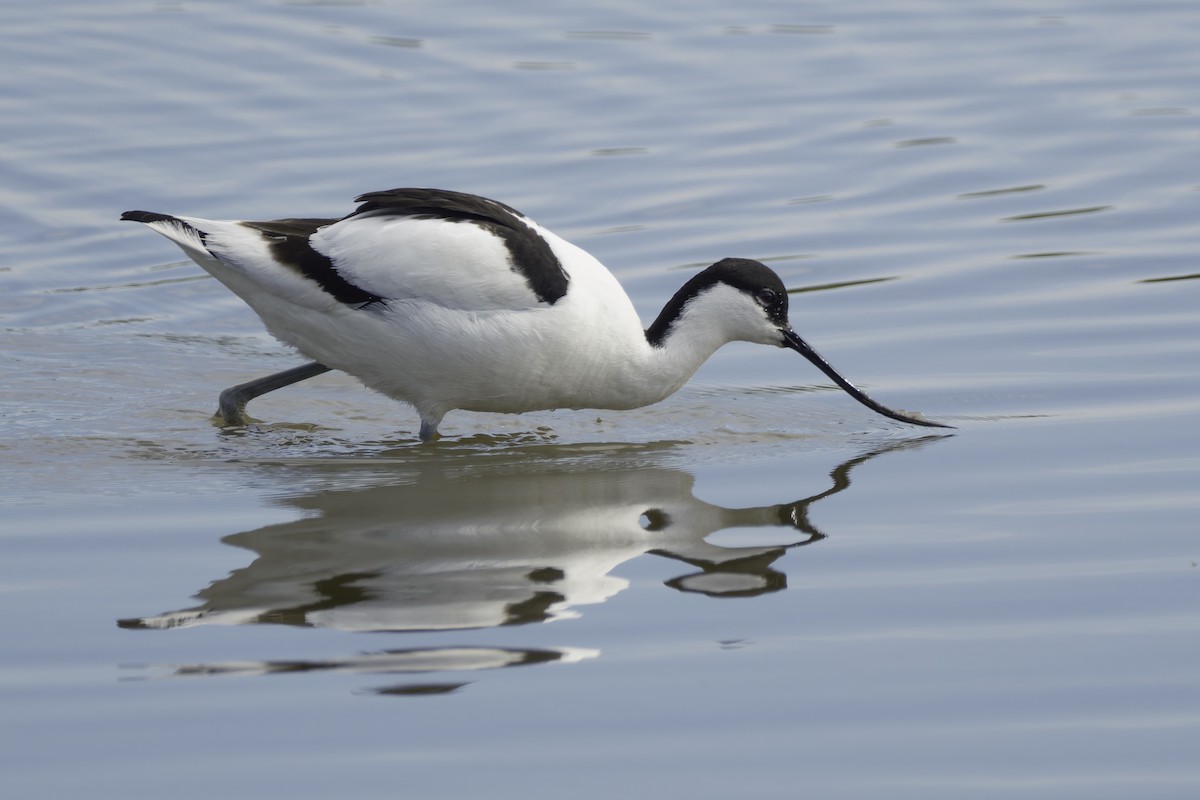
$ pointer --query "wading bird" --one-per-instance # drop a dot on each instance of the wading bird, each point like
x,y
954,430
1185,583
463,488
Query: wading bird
x,y
445,300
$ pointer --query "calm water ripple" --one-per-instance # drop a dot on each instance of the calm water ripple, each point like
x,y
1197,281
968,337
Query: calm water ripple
x,y
984,211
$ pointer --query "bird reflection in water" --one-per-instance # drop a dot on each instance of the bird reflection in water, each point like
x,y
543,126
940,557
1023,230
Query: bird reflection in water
x,y
444,548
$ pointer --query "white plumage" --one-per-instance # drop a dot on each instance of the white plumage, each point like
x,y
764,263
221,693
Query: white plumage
x,y
450,301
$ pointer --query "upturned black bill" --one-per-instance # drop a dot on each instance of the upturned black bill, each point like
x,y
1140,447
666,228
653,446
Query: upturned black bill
x,y
793,341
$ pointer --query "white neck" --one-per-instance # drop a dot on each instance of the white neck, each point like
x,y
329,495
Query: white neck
x,y
706,323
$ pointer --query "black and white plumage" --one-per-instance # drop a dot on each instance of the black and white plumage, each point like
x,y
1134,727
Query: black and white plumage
x,y
447,300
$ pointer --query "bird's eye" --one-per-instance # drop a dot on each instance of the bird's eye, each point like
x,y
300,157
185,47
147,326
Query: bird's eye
x,y
767,296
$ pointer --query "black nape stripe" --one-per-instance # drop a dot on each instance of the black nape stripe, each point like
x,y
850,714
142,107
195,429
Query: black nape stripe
x,y
743,274
530,255
289,243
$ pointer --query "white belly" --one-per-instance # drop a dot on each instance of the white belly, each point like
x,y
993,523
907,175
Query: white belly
x,y
439,359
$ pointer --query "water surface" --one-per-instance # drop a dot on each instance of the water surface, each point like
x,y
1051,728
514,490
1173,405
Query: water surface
x,y
985,212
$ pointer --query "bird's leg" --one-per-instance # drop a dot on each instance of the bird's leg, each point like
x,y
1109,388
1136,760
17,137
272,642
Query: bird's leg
x,y
429,427
233,400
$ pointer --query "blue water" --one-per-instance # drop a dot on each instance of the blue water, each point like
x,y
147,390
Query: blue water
x,y
986,213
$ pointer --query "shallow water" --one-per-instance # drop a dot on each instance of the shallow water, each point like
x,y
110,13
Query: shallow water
x,y
986,212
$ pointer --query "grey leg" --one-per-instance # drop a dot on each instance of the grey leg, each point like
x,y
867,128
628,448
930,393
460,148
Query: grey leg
x,y
429,430
233,400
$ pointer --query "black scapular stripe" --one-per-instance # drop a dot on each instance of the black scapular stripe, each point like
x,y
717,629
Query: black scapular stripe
x,y
290,245
530,255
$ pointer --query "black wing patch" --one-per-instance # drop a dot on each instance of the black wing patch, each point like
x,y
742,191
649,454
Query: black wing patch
x,y
150,216
530,255
288,240
154,216
289,243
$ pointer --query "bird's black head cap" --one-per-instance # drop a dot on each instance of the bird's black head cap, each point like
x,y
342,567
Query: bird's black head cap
x,y
746,275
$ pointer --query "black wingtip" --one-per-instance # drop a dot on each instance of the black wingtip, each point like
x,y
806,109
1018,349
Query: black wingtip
x,y
147,216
